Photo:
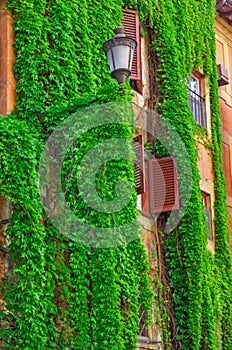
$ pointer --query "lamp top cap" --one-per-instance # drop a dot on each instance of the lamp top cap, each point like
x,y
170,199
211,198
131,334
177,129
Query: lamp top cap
x,y
119,32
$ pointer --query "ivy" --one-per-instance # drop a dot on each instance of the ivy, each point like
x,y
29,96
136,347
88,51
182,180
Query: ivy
x,y
200,282
61,294
64,295
196,276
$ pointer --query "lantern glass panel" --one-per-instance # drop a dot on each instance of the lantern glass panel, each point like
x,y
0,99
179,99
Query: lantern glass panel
x,y
110,60
131,58
121,55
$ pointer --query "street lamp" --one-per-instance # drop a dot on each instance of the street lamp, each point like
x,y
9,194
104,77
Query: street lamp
x,y
120,51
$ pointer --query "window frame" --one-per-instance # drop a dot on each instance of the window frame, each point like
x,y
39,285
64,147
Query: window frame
x,y
206,201
197,100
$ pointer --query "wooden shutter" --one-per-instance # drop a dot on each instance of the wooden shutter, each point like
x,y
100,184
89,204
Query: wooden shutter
x,y
163,185
130,23
223,75
139,164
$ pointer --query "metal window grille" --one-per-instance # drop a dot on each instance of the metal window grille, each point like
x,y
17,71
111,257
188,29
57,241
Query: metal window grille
x,y
196,104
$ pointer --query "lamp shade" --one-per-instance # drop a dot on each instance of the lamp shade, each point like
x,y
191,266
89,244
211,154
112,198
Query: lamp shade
x,y
120,51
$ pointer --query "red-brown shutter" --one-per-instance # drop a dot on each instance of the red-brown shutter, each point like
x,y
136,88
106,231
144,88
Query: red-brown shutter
x,y
139,164
130,23
163,185
223,75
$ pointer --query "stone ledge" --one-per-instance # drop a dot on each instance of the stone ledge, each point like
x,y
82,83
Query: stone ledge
x,y
146,343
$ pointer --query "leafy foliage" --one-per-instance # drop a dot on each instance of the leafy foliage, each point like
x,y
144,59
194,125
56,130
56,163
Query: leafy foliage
x,y
61,294
201,282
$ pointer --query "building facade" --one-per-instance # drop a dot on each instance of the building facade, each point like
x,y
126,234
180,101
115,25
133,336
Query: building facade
x,y
64,295
223,40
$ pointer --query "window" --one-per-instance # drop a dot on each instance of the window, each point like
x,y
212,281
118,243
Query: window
x,y
130,22
196,101
207,205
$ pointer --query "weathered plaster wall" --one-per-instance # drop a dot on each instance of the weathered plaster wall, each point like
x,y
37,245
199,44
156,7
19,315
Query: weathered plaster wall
x,y
140,102
7,56
205,167
224,56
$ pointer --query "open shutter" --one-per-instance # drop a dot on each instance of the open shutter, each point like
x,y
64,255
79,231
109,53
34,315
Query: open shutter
x,y
130,23
163,185
139,164
223,75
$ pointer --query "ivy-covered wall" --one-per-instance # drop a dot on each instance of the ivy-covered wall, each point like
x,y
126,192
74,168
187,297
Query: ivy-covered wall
x,y
63,295
200,282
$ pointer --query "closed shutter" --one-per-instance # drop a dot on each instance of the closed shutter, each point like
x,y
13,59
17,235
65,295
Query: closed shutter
x,y
130,23
163,185
139,164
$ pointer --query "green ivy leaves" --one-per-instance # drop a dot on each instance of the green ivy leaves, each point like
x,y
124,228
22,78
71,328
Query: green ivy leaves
x,y
62,295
